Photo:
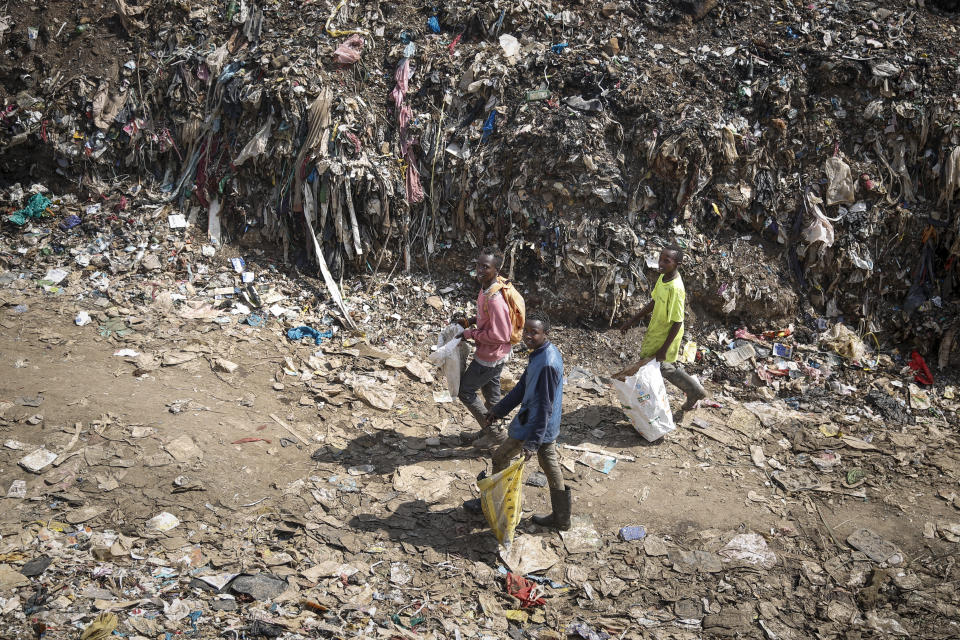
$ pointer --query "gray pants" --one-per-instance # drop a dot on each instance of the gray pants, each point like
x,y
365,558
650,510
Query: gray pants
x,y
676,375
546,455
484,378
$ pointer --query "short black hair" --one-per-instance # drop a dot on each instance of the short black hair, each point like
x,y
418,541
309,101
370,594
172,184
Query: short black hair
x,y
542,318
494,253
676,251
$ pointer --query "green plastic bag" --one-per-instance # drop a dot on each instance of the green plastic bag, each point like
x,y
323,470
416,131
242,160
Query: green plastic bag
x,y
35,208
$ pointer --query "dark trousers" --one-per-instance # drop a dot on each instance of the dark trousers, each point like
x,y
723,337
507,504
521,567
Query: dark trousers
x,y
483,378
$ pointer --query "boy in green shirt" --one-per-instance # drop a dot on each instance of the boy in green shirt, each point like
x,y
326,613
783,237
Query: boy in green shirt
x,y
666,328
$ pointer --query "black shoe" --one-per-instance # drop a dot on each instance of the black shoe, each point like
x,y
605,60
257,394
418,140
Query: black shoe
x,y
473,506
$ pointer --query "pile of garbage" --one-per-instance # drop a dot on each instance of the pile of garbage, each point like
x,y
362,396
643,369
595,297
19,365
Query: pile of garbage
x,y
581,138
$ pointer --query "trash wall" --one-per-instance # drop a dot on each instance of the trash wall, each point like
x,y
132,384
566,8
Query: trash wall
x,y
808,157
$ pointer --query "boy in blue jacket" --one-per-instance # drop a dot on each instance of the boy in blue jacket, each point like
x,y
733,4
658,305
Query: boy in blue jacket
x,y
534,430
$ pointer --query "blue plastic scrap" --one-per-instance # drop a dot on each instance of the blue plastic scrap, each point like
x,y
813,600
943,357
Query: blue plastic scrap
x,y
559,47
298,333
488,126
434,24
634,532
69,222
194,616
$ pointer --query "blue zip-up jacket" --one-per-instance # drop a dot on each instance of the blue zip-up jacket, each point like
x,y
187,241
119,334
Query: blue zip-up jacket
x,y
539,392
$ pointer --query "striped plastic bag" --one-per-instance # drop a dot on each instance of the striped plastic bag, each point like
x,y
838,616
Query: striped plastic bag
x,y
500,498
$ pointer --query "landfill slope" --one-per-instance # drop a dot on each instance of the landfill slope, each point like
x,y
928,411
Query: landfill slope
x,y
806,155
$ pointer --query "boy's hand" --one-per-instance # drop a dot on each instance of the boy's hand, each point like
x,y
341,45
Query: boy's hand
x,y
489,420
460,320
528,453
661,355
627,324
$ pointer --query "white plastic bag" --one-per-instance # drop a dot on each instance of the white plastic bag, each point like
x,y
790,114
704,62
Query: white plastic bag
x,y
257,144
840,187
451,356
644,399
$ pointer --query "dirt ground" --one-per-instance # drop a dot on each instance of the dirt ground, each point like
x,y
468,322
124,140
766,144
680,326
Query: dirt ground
x,y
688,490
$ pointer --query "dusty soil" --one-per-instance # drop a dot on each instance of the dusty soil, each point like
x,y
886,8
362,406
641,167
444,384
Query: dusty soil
x,y
687,489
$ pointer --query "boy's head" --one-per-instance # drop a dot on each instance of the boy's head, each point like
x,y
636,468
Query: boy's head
x,y
488,265
670,260
535,330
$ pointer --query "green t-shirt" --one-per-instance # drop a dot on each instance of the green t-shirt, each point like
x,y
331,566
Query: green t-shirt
x,y
668,298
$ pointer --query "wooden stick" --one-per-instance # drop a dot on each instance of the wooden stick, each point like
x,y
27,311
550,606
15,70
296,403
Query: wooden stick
x,y
327,278
63,454
290,429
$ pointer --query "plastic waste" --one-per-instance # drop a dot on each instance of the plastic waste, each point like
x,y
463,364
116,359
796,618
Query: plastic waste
x,y
349,50
450,356
36,206
101,628
500,496
644,399
298,333
69,222
510,45
633,532
257,145
839,182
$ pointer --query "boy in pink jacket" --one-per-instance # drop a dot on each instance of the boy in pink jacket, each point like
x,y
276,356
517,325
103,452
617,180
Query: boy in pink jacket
x,y
492,337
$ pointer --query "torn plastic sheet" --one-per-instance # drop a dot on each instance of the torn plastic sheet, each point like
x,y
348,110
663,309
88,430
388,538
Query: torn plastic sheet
x,y
213,223
257,144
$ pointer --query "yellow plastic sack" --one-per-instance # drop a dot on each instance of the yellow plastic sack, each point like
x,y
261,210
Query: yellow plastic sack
x,y
500,499
101,628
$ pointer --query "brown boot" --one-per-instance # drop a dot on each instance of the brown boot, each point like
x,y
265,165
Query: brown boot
x,y
491,439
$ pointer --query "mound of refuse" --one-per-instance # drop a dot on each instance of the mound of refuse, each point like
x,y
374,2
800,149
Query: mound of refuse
x,y
807,157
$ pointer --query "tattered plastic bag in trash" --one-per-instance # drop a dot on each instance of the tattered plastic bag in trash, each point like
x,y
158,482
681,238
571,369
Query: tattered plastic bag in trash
x,y
750,548
820,229
839,181
374,393
349,50
451,356
844,341
510,45
36,207
101,628
257,144
500,498
644,399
